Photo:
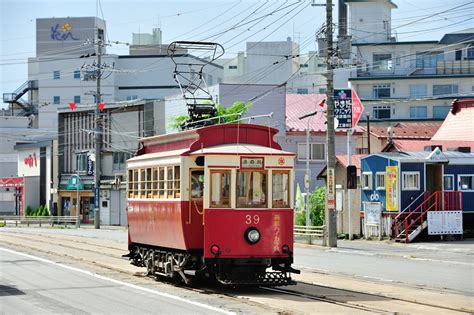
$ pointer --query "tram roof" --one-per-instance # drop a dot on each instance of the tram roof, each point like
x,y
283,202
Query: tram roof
x,y
240,149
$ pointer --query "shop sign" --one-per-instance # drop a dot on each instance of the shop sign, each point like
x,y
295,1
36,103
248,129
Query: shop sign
x,y
372,213
90,166
75,183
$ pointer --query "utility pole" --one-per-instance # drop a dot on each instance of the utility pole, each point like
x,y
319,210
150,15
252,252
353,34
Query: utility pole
x,y
331,156
98,138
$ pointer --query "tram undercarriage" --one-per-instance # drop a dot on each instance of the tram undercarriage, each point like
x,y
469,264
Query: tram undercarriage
x,y
174,264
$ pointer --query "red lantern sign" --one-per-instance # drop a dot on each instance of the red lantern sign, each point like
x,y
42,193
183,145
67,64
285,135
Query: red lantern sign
x,y
72,106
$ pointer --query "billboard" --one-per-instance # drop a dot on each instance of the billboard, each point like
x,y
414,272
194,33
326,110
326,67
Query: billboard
x,y
29,163
391,187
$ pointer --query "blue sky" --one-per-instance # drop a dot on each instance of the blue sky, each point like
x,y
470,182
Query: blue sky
x,y
198,20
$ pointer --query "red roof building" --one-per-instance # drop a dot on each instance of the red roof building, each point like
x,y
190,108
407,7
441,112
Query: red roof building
x,y
459,124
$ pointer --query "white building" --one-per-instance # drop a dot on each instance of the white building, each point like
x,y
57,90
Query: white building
x,y
404,80
65,47
276,63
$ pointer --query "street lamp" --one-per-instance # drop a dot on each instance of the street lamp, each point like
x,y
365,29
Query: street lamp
x,y
78,212
307,178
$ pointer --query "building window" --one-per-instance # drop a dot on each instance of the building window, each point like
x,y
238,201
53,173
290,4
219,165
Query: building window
x,y
443,89
428,59
132,97
448,182
381,91
418,90
466,182
380,181
281,189
382,112
56,100
383,62
418,112
470,52
56,75
77,74
322,90
81,162
440,111
232,67
251,189
366,181
120,159
220,189
316,152
303,65
302,91
362,150
77,99
410,180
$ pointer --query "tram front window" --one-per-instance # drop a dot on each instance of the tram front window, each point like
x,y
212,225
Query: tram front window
x,y
251,189
197,184
220,189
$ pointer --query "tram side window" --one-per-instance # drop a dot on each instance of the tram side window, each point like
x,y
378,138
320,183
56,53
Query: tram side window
x,y
135,183
142,183
154,191
220,189
281,190
161,182
176,185
148,183
251,189
130,183
169,182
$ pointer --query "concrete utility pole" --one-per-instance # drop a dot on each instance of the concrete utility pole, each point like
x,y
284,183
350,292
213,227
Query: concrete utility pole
x,y
331,157
98,139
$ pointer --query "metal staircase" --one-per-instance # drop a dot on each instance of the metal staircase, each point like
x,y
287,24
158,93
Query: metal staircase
x,y
14,99
409,223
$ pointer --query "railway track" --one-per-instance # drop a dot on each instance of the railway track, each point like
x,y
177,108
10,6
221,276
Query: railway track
x,y
106,255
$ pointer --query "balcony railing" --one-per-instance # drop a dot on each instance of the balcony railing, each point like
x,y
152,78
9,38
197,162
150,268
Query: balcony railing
x,y
455,67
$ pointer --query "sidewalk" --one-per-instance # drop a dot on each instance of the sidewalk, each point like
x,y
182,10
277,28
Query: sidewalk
x,y
444,251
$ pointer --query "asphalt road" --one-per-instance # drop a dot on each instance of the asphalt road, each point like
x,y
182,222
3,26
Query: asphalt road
x,y
31,285
443,265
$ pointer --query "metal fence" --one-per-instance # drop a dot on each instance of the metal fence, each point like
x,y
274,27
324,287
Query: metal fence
x,y
309,232
50,220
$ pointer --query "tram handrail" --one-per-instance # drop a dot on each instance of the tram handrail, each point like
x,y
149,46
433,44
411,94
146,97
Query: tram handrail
x,y
51,220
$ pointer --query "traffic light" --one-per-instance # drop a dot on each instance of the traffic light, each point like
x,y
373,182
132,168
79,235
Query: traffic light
x,y
101,107
351,177
72,106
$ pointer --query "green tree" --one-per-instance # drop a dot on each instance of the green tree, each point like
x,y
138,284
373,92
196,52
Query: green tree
x,y
317,201
226,114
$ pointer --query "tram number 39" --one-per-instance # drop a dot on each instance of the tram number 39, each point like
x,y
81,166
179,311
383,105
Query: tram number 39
x,y
249,219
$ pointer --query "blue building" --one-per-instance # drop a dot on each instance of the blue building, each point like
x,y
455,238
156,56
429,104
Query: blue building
x,y
406,182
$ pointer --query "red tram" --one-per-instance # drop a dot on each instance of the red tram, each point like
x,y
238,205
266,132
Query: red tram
x,y
214,201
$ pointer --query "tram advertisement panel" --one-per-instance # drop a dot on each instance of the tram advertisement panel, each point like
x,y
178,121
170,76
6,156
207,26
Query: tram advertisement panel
x,y
391,186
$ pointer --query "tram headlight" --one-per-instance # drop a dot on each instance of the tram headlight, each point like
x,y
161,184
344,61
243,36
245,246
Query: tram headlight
x,y
252,235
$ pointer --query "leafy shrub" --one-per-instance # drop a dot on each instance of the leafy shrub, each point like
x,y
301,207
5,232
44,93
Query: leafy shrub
x,y
317,201
28,211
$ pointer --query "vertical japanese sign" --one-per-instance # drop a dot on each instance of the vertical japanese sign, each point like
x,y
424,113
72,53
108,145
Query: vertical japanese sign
x,y
331,202
343,108
391,186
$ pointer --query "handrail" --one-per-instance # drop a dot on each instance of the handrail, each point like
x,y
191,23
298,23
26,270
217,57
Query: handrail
x,y
411,203
397,222
435,204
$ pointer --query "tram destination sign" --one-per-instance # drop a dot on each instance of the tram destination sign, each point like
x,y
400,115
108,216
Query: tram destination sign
x,y
343,108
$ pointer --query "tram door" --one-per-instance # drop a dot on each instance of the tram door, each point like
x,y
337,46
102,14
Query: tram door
x,y
196,203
